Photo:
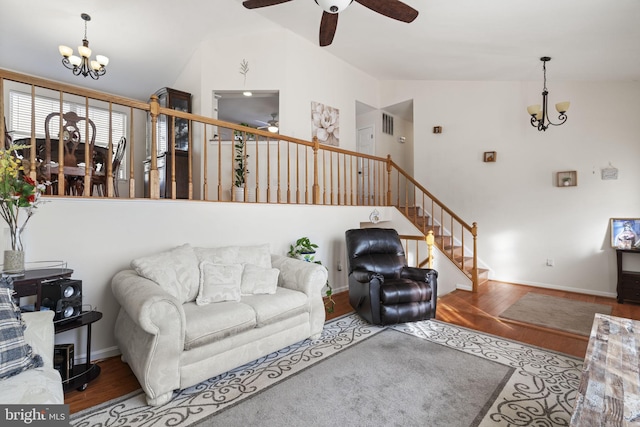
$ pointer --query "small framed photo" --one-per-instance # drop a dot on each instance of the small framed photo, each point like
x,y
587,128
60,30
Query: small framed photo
x,y
489,156
625,233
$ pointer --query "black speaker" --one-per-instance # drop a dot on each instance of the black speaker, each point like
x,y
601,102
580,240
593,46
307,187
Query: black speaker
x,y
64,296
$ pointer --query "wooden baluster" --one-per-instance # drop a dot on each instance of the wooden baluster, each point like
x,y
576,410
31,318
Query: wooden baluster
x,y
172,142
324,177
108,185
205,166
189,158
389,168
279,193
268,170
257,169
298,173
32,150
474,271
154,177
132,181
288,172
316,186
306,175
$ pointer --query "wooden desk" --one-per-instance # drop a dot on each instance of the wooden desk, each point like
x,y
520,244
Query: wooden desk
x,y
609,393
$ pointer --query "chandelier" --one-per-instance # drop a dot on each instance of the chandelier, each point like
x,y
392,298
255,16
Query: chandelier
x,y
83,64
540,115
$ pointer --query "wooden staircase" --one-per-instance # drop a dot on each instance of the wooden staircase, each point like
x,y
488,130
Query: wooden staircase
x,y
453,250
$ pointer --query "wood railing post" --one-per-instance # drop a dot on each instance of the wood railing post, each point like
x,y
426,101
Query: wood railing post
x,y
474,271
154,177
389,169
316,187
430,242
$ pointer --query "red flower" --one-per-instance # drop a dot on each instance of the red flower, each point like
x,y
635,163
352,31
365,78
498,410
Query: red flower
x,y
28,180
32,198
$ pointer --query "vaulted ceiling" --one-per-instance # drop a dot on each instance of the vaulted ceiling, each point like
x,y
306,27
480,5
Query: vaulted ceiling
x,y
149,41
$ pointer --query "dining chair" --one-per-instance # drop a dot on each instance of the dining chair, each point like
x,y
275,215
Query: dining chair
x,y
74,145
99,178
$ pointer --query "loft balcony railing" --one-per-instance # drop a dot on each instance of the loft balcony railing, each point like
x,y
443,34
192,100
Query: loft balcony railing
x,y
267,167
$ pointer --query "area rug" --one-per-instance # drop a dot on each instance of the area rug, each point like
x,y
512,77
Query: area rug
x,y
552,312
423,373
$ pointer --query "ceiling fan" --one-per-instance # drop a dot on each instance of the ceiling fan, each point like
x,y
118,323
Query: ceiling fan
x,y
272,125
394,9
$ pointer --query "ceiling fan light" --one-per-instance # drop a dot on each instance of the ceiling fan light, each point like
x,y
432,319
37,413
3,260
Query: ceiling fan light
x,y
247,93
333,6
272,128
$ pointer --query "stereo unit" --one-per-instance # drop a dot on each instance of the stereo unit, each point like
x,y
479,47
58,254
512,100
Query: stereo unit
x,y
64,297
63,360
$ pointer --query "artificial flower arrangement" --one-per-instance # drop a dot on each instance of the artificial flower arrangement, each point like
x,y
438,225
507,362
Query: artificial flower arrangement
x,y
19,195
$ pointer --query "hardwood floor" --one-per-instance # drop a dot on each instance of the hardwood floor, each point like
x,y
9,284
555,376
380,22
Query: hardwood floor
x,y
477,311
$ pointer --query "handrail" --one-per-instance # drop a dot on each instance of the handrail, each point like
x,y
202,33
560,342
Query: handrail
x,y
281,169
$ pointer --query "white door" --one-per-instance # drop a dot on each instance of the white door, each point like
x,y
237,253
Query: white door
x,y
366,145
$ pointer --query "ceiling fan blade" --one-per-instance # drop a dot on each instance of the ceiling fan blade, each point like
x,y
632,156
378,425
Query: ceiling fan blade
x,y
254,4
394,9
328,27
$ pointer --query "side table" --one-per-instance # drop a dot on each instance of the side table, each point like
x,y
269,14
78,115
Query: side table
x,y
628,287
82,373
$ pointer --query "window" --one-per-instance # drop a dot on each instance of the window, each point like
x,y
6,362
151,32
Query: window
x,y
20,119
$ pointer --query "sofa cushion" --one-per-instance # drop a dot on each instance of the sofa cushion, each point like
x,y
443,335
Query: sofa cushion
x,y
259,280
221,255
281,305
219,282
15,354
176,271
213,322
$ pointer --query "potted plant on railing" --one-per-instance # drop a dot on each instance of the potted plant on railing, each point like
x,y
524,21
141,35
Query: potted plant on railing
x,y
240,167
304,250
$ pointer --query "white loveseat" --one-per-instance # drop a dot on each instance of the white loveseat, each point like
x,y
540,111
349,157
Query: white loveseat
x,y
183,320
38,386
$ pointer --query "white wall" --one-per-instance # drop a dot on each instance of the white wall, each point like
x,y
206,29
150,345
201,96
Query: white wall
x,y
98,238
523,218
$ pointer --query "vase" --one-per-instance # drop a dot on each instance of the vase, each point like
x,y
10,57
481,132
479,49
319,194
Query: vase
x,y
13,263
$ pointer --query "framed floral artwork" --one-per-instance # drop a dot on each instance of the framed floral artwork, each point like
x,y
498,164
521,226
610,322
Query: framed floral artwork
x,y
625,233
325,124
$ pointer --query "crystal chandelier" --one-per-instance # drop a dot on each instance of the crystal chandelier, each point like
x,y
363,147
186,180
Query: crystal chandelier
x,y
83,64
540,115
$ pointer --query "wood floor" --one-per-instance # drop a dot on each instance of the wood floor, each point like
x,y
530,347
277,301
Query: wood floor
x,y
477,311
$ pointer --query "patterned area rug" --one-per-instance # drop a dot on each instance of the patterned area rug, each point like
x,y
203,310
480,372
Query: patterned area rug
x,y
541,389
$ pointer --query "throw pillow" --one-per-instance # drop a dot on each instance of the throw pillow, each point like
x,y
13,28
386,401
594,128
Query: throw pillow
x,y
259,255
222,255
219,282
259,280
15,354
175,271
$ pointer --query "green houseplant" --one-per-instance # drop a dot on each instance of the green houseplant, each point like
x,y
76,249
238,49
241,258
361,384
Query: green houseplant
x,y
305,250
240,170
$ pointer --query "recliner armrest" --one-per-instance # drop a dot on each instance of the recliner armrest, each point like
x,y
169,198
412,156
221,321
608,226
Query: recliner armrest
x,y
365,276
420,274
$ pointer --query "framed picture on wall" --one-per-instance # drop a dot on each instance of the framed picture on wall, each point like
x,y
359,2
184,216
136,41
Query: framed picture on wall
x,y
489,156
625,233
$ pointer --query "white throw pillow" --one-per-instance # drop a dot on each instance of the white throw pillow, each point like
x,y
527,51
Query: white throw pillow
x,y
259,280
219,282
175,271
222,255
259,255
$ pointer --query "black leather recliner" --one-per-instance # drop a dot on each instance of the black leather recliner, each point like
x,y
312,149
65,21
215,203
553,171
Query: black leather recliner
x,y
382,288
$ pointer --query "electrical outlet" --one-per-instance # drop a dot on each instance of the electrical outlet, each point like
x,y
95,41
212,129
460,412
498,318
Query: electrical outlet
x,y
550,262
339,267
